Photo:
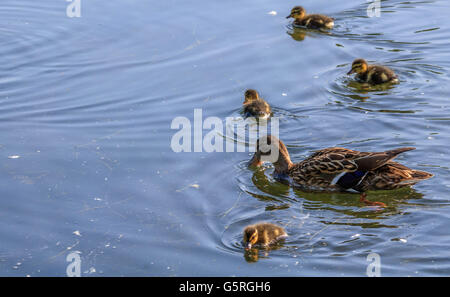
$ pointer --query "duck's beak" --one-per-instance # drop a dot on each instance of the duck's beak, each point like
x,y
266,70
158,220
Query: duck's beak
x,y
289,16
255,161
351,71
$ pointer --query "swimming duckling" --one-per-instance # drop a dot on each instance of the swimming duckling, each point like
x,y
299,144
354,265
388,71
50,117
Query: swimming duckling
x,y
373,74
313,21
255,106
263,234
340,169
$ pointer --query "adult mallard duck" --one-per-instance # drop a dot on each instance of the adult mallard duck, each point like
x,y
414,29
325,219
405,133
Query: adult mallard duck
x,y
313,21
339,169
263,234
255,106
372,74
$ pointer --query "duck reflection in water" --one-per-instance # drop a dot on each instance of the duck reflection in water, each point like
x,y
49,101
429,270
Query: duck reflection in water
x,y
365,88
278,196
299,34
256,253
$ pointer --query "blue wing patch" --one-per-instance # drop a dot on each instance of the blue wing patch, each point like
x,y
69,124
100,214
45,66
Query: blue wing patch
x,y
281,176
351,179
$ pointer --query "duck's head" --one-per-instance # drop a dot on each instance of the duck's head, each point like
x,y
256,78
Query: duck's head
x,y
250,96
297,12
358,66
271,149
250,237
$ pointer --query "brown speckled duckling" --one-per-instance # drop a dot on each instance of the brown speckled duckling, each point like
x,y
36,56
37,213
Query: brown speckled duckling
x,y
263,234
313,21
255,106
372,74
340,169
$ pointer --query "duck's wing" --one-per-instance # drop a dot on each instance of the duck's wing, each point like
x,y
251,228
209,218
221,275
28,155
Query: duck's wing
x,y
318,21
330,161
380,74
393,175
373,161
343,167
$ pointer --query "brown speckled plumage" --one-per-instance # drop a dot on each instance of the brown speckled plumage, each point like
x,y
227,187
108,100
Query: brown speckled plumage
x,y
323,169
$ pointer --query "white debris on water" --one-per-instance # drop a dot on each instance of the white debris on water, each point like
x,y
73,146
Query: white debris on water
x,y
14,157
403,240
77,233
273,12
195,186
91,270
356,235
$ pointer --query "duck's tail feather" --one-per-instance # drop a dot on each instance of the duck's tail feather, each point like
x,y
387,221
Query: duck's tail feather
x,y
398,151
416,176
374,161
421,175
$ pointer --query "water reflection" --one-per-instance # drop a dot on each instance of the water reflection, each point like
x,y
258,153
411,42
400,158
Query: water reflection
x,y
275,191
349,204
343,203
299,33
364,88
255,253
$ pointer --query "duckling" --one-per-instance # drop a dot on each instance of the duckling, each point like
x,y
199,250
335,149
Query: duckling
x,y
339,169
373,74
263,234
313,21
256,106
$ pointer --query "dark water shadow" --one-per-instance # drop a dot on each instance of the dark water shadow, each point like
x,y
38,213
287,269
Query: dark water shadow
x,y
300,33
